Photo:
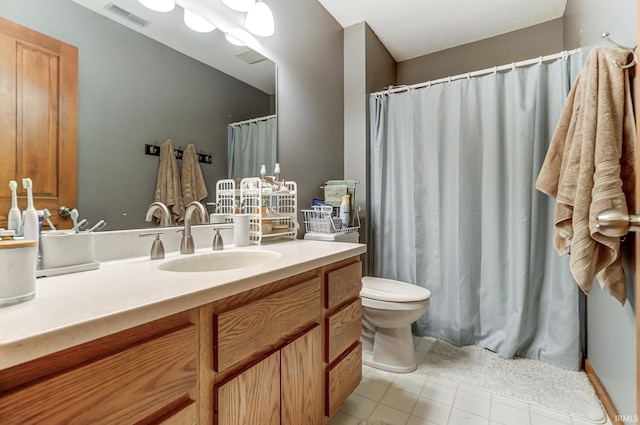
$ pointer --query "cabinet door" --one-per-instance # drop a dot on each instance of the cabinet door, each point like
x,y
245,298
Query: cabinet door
x,y
251,397
38,118
301,371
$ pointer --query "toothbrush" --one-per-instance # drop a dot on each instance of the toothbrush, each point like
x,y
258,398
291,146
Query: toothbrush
x,y
47,214
98,226
14,219
74,218
31,224
82,224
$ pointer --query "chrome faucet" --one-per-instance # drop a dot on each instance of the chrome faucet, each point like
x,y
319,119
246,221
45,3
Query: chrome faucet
x,y
186,246
166,215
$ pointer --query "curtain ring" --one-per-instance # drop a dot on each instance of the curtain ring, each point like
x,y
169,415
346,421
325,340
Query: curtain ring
x,y
513,66
449,79
495,70
565,55
469,76
540,60
429,84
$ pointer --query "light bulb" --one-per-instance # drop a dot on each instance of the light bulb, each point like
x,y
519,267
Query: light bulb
x,y
159,5
260,20
239,5
234,40
197,22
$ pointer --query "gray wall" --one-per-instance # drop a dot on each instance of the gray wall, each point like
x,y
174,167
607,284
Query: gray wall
x,y
133,90
527,43
307,47
611,329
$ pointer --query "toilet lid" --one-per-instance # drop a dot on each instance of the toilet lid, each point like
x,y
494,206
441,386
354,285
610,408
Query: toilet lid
x,y
391,290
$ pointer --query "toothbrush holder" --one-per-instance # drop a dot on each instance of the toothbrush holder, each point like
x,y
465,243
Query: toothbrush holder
x,y
63,249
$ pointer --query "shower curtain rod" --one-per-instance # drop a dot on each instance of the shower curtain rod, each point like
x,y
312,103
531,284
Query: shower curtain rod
x,y
268,117
513,65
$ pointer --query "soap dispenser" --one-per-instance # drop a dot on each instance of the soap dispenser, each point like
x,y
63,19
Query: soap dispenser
x,y
157,248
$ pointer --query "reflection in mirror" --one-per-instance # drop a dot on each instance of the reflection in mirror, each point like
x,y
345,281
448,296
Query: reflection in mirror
x,y
252,144
134,90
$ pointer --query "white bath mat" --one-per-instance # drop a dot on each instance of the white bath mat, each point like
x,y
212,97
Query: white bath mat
x,y
531,381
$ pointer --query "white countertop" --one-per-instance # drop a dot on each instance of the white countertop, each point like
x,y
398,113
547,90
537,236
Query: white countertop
x,y
75,308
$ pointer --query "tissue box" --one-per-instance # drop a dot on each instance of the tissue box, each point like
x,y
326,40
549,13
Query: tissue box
x,y
62,249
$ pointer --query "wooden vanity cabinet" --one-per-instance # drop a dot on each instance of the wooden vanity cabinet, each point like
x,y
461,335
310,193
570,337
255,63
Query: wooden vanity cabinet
x,y
286,352
267,352
283,388
342,315
147,374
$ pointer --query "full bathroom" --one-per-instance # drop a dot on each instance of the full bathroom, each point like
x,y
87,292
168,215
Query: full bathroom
x,y
449,303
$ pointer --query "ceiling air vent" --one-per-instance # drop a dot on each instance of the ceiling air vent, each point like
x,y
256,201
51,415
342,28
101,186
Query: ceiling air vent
x,y
250,56
117,10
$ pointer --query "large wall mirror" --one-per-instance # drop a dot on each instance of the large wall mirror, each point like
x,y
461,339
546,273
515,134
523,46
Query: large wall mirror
x,y
142,85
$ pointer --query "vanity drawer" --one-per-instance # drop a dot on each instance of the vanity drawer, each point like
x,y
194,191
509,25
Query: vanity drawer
x,y
342,284
255,327
186,416
125,387
342,378
343,328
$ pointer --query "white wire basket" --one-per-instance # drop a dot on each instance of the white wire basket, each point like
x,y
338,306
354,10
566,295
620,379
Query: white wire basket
x,y
320,219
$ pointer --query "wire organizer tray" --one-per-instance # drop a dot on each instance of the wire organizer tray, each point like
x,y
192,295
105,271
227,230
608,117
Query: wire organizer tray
x,y
280,219
320,219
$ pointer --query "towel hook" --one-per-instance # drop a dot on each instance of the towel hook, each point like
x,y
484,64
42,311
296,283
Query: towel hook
x,y
605,35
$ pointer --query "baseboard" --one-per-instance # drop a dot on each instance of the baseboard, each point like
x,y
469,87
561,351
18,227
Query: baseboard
x,y
602,394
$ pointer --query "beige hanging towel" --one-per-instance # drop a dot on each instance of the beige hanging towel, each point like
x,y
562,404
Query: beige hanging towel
x,y
589,168
193,186
168,190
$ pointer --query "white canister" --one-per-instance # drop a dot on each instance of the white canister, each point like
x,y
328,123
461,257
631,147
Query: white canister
x,y
241,230
18,264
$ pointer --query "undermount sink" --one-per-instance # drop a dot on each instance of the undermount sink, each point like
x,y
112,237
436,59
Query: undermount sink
x,y
218,261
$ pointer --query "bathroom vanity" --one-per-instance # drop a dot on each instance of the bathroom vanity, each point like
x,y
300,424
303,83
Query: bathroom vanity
x,y
276,343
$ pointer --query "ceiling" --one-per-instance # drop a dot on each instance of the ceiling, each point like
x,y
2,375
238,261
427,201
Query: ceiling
x,y
412,28
211,48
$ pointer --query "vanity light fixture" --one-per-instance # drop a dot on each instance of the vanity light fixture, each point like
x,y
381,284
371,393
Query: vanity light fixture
x,y
233,40
197,22
239,5
259,20
159,5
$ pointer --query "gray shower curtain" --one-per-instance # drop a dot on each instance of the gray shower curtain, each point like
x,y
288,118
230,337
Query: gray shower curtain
x,y
454,209
251,145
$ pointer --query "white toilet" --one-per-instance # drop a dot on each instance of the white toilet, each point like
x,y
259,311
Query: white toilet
x,y
389,308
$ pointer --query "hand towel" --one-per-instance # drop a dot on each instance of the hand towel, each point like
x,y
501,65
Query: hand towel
x,y
333,194
589,168
193,186
168,189
351,190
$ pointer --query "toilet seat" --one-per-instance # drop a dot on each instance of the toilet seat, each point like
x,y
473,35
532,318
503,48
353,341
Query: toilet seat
x,y
376,288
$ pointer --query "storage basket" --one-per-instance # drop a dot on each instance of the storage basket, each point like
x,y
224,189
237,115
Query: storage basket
x,y
320,219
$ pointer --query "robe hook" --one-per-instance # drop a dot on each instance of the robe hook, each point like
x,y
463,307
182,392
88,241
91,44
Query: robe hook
x,y
605,35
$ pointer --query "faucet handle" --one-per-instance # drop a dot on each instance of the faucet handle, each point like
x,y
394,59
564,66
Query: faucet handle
x,y
157,249
218,244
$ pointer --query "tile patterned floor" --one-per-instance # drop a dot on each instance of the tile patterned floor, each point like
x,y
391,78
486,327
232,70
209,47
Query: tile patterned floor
x,y
420,399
